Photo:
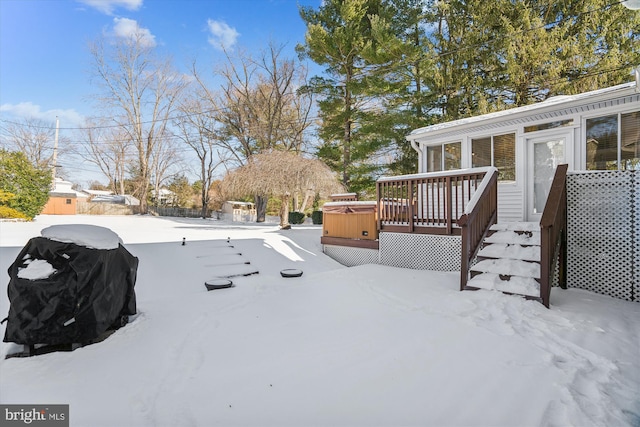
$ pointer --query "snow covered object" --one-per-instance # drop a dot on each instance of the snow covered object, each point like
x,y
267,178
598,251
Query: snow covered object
x,y
70,286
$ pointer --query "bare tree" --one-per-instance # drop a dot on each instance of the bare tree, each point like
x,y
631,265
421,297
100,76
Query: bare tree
x,y
141,91
259,107
197,130
107,147
33,137
282,174
164,163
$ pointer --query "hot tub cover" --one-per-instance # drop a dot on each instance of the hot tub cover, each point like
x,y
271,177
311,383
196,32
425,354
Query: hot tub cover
x,y
87,292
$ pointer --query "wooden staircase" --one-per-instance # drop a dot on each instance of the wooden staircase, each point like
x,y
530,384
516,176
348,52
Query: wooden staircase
x,y
509,260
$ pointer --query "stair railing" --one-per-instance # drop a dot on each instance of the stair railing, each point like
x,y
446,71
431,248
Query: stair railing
x,y
479,215
553,235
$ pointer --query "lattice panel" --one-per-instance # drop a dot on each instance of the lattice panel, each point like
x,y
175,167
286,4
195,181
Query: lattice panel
x,y
601,233
420,251
351,257
636,240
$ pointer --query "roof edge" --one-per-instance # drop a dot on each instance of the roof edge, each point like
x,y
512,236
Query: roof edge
x,y
560,101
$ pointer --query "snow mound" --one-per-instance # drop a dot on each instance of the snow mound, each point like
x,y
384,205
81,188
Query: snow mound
x,y
36,269
90,236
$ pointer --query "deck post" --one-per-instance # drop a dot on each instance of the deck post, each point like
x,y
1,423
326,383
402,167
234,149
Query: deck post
x,y
449,197
410,207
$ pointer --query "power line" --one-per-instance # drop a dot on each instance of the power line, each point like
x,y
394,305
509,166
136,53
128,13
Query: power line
x,y
256,127
315,118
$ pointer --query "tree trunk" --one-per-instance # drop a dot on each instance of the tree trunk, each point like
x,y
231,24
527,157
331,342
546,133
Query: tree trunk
x,y
261,208
284,212
308,195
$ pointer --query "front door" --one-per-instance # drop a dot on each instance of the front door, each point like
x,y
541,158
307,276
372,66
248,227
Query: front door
x,y
544,154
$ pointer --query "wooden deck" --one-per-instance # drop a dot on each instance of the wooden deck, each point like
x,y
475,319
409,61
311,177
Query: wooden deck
x,y
431,203
455,203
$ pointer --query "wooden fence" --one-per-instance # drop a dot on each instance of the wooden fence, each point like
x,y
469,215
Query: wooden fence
x,y
103,208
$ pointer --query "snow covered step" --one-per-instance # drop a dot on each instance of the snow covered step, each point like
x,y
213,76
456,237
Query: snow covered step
x,y
514,237
508,267
505,250
515,285
516,226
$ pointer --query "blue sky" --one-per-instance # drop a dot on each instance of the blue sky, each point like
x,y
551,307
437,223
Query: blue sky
x,y
44,59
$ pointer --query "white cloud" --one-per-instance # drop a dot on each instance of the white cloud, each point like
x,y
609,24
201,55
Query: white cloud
x,y
108,6
28,110
222,35
128,28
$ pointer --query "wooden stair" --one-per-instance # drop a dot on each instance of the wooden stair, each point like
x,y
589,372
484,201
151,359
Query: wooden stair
x,y
509,260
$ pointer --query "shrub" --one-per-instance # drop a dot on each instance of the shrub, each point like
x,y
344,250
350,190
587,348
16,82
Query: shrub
x,y
316,217
28,185
7,212
296,217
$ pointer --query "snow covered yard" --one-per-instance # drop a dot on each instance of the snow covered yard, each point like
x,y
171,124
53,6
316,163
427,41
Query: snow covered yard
x,y
339,346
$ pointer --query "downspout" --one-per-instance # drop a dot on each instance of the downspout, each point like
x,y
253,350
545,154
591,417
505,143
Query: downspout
x,y
419,151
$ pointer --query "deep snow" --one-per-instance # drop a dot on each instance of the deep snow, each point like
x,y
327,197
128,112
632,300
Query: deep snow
x,y
360,346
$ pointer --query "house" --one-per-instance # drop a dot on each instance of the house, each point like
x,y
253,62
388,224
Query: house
x,y
165,197
117,199
598,130
62,199
93,193
518,200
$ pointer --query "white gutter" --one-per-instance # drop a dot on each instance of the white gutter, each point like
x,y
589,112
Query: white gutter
x,y
418,150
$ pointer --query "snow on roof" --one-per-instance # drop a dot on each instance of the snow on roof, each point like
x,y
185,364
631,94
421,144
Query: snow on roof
x,y
352,202
90,236
98,192
63,188
118,199
558,101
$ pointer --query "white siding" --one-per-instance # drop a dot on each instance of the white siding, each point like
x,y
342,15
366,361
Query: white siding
x,y
510,203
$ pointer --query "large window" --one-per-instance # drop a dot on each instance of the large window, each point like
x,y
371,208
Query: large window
x,y
444,157
613,142
498,151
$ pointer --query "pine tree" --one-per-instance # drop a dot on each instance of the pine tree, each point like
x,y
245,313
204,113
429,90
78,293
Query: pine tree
x,y
339,37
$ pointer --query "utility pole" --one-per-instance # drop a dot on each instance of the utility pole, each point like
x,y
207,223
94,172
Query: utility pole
x,y
55,156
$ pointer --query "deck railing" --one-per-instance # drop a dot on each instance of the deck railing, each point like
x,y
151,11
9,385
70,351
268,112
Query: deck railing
x,y
428,203
553,235
344,197
480,215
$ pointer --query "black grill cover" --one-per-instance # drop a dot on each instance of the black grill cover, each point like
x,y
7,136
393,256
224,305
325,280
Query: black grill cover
x,y
87,295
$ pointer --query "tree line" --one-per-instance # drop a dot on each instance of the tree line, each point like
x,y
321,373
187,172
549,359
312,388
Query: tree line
x,y
389,66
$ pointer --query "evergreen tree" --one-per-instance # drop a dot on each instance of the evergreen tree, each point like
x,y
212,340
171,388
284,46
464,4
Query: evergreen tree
x,y
597,42
339,37
394,66
28,184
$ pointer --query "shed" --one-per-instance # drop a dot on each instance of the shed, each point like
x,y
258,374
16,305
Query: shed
x,y
239,211
63,199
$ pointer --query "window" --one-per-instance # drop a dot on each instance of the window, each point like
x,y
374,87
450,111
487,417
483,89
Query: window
x,y
444,157
498,151
68,201
550,125
613,142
